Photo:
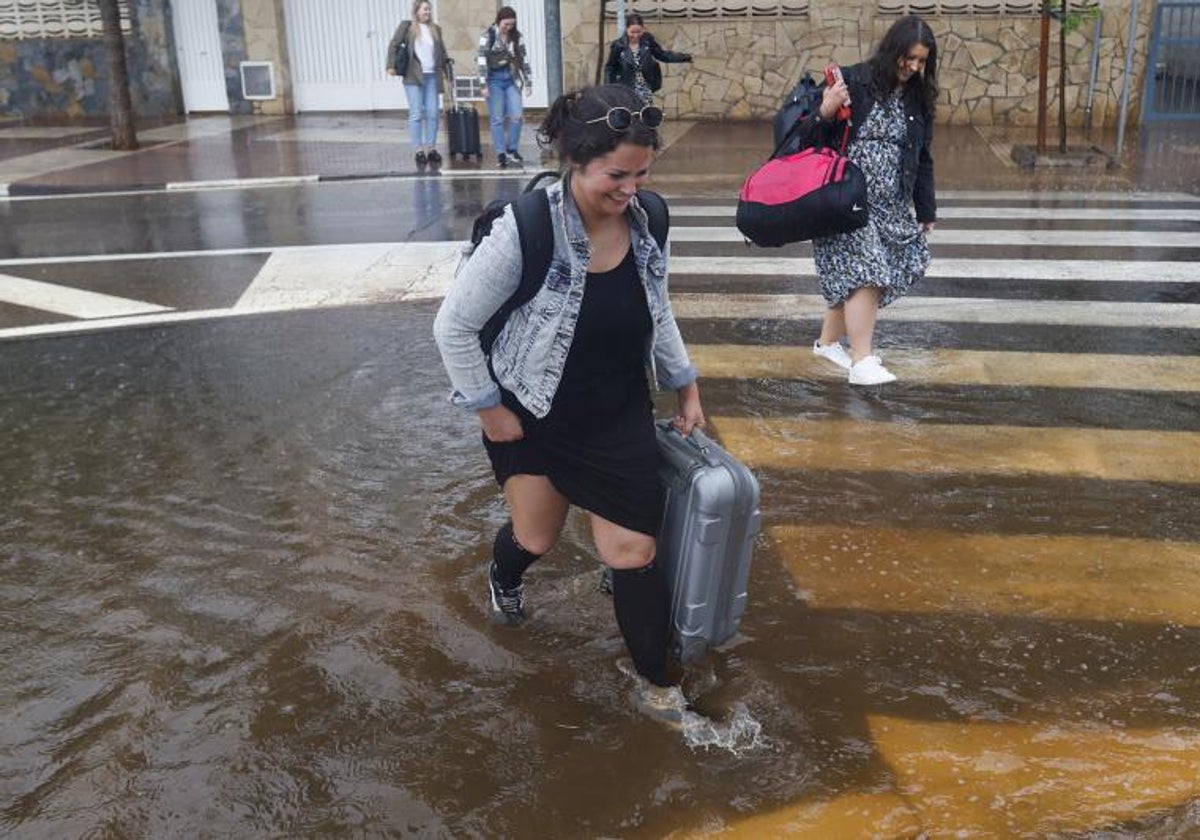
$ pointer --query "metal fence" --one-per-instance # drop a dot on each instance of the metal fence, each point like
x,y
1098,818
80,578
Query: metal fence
x,y
1173,77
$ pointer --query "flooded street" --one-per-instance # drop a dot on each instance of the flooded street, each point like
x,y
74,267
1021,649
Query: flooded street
x,y
239,617
248,566
244,550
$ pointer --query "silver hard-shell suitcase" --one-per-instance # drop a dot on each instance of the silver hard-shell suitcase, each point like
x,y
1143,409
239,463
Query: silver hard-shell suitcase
x,y
707,536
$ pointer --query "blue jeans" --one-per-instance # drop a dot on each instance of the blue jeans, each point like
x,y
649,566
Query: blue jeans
x,y
504,110
423,112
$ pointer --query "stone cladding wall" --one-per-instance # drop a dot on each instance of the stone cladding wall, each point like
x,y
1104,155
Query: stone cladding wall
x,y
68,77
987,75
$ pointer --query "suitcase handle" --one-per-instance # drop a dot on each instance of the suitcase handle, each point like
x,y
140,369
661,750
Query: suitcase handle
x,y
699,440
702,442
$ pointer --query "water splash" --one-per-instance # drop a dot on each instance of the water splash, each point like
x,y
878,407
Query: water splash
x,y
739,734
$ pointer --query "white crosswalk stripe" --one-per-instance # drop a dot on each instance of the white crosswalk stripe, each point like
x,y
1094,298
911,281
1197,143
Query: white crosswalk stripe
x,y
1025,238
64,300
1126,271
1104,214
974,310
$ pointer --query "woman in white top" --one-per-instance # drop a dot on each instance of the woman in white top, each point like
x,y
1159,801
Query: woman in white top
x,y
420,40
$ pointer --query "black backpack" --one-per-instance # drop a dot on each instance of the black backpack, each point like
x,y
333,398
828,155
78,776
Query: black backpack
x,y
536,231
804,99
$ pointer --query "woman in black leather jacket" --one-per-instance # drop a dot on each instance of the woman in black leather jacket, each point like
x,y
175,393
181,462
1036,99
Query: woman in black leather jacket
x,y
892,99
632,60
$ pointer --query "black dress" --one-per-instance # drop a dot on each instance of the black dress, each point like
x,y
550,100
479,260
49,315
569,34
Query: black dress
x,y
596,445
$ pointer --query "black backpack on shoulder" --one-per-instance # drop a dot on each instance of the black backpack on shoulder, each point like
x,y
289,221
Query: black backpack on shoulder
x,y
804,99
536,231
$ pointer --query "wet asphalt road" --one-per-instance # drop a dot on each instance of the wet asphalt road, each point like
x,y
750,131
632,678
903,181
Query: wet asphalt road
x,y
244,555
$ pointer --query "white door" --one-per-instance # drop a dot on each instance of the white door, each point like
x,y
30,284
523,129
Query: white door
x,y
198,48
338,54
381,19
531,21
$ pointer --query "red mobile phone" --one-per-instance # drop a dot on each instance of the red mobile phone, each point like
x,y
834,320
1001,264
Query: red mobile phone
x,y
833,75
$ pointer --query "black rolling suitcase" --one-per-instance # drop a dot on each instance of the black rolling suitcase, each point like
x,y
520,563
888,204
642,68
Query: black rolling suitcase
x,y
462,125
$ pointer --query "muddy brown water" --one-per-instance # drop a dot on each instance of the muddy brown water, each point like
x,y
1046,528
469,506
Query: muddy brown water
x,y
243,595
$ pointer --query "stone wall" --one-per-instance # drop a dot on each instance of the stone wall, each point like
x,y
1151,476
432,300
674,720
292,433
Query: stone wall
x,y
233,52
988,64
462,22
58,77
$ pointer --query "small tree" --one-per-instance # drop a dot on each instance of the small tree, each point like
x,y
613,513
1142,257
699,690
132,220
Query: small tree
x,y
1068,21
120,103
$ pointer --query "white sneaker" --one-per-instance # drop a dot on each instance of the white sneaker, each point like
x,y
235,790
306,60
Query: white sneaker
x,y
870,371
835,353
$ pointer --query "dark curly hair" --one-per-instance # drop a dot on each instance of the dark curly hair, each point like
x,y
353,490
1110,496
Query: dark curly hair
x,y
566,129
903,35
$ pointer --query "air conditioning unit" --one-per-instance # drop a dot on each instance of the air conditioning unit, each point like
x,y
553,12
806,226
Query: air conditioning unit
x,y
258,79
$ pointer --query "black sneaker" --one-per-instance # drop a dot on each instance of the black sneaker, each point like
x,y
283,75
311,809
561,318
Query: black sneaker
x,y
515,157
502,160
508,605
420,158
435,159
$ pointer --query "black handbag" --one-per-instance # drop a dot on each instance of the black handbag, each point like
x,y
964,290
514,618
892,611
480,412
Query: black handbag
x,y
401,63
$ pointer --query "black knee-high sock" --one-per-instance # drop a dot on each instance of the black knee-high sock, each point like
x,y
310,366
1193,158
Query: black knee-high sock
x,y
642,605
511,557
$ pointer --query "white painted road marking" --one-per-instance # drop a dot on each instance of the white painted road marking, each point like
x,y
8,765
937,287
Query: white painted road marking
x,y
1124,271
1013,238
64,300
1103,214
969,310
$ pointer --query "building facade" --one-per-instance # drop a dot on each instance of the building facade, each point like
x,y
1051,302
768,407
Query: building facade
x,y
287,56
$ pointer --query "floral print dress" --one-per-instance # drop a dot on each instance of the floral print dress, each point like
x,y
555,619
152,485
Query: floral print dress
x,y
890,251
640,86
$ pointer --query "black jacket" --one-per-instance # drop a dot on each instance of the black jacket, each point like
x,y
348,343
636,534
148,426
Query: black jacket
x,y
620,69
917,175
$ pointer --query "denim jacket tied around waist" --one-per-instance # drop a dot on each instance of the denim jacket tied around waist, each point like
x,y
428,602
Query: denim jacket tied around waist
x,y
531,351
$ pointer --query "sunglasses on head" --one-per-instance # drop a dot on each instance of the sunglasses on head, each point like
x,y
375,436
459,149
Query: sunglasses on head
x,y
621,118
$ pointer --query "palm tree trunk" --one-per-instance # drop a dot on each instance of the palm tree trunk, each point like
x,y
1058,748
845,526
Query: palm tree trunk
x,y
120,103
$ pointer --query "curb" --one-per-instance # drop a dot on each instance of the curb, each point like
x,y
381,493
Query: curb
x,y
36,190
19,190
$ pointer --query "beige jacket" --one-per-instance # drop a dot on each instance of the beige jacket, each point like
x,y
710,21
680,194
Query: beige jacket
x,y
406,33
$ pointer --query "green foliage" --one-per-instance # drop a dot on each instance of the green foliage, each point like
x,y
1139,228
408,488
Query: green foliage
x,y
1076,17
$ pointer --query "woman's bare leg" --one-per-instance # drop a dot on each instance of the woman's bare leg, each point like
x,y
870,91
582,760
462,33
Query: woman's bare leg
x,y
833,327
861,309
538,511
